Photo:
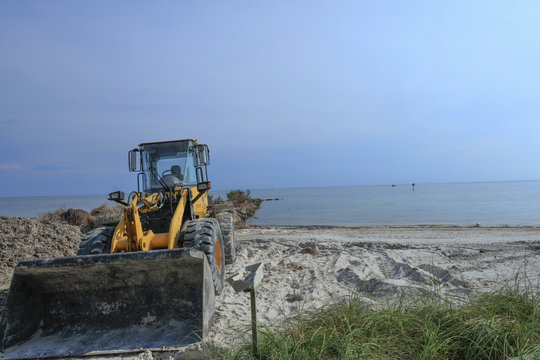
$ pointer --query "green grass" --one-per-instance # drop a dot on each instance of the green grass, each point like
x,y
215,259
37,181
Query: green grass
x,y
503,324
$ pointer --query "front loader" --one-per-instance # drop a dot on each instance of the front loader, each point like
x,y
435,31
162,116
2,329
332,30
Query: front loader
x,y
146,282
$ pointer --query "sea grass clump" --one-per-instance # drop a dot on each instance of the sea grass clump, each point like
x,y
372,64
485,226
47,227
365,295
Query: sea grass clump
x,y
503,324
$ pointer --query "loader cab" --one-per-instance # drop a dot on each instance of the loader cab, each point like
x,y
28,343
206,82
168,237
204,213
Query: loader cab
x,y
170,164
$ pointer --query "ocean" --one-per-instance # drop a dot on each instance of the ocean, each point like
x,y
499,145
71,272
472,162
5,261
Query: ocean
x,y
512,203
37,205
515,203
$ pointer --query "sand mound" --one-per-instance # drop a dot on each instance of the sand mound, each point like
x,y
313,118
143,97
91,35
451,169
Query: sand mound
x,y
23,238
81,218
78,217
107,213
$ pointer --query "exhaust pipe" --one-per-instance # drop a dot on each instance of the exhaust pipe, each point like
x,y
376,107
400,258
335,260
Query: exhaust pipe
x,y
107,304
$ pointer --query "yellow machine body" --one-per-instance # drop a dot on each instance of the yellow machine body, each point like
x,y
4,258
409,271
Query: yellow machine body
x,y
130,236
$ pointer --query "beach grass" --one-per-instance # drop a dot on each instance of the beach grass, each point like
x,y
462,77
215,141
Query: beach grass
x,y
501,324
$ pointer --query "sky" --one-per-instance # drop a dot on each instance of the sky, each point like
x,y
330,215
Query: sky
x,y
285,93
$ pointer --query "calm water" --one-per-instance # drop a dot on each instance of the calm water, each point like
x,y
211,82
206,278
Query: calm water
x,y
37,205
489,203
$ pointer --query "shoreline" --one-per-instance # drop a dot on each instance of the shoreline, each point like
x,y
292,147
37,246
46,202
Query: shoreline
x,y
420,226
317,226
314,227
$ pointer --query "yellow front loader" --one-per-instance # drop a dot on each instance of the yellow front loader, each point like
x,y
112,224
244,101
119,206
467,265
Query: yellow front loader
x,y
146,282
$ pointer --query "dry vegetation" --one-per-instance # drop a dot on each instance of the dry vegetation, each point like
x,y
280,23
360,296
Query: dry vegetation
x,y
85,220
240,204
33,238
54,234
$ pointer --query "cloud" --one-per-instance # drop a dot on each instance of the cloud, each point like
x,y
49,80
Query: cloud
x,y
10,167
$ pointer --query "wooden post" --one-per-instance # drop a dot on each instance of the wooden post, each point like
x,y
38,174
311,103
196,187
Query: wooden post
x,y
247,281
254,323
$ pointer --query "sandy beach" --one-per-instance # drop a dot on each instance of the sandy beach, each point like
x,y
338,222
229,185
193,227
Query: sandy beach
x,y
309,267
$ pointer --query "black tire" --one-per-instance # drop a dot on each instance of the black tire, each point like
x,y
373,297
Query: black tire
x,y
226,223
205,235
96,241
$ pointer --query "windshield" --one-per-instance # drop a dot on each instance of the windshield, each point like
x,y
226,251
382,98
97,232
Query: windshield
x,y
172,162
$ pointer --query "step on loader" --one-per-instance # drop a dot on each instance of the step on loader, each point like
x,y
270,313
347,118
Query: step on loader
x,y
146,282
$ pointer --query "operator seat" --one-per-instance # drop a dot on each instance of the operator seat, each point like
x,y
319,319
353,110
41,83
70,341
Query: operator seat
x,y
177,171
173,179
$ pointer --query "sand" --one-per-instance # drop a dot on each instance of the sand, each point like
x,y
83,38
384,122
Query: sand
x,y
309,267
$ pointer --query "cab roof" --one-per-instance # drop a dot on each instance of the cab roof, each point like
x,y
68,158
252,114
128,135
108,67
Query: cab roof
x,y
168,141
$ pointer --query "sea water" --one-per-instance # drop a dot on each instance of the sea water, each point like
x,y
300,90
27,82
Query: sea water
x,y
515,203
37,205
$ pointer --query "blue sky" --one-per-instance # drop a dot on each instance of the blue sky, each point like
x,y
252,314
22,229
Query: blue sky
x,y
285,93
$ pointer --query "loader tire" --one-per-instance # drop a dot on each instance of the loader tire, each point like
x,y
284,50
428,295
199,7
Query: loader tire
x,y
226,223
205,235
96,241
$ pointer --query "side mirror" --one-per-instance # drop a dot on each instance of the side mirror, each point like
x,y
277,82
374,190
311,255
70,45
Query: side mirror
x,y
203,155
203,186
134,161
117,196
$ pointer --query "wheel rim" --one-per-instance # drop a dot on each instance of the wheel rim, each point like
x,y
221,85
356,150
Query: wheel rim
x,y
218,255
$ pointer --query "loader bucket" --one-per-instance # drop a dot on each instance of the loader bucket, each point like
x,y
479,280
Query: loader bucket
x,y
104,304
